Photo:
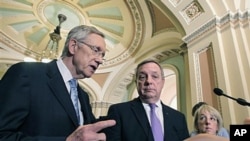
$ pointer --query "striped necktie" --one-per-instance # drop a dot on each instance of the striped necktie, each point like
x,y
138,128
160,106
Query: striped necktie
x,y
74,97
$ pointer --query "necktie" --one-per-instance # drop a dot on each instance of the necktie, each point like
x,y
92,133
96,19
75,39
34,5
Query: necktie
x,y
74,97
155,124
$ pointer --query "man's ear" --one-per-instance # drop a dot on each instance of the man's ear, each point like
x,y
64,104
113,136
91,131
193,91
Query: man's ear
x,y
72,46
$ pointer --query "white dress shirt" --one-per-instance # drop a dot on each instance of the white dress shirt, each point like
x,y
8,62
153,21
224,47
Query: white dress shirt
x,y
66,77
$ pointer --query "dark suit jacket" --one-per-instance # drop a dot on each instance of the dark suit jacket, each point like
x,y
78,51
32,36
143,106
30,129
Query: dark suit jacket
x,y
35,104
132,123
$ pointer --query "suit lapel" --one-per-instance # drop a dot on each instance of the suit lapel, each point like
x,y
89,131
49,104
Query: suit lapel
x,y
141,115
84,104
60,91
168,123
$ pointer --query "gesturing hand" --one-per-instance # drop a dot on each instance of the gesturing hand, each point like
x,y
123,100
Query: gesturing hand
x,y
90,132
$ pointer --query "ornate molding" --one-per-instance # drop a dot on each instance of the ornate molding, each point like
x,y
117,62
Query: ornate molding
x,y
242,17
100,104
192,11
16,46
175,3
137,36
122,86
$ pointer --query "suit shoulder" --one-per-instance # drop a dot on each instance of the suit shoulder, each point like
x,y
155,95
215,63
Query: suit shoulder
x,y
172,110
122,104
27,65
125,105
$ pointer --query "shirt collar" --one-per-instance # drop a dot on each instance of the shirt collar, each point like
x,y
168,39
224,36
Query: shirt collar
x,y
64,70
158,104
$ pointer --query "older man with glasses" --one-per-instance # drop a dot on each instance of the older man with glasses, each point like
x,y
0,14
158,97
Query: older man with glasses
x,y
41,101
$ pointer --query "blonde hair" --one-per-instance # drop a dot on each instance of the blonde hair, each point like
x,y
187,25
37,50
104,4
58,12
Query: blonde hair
x,y
212,111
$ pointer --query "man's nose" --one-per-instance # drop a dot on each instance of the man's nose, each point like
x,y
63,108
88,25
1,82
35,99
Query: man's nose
x,y
148,81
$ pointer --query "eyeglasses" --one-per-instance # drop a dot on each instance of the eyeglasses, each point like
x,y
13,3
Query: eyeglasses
x,y
95,50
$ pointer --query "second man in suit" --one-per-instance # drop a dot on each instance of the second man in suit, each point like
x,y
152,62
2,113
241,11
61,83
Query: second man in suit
x,y
134,121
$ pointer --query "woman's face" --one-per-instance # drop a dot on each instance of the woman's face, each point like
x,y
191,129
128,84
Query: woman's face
x,y
207,123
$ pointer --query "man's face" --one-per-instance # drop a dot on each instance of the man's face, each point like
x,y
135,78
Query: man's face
x,y
88,55
149,82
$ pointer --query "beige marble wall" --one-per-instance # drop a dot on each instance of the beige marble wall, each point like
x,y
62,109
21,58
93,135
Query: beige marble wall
x,y
228,36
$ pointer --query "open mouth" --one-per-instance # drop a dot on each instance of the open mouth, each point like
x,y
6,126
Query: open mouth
x,y
93,67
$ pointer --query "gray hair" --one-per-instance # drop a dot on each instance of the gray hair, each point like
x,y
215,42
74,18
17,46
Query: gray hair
x,y
80,32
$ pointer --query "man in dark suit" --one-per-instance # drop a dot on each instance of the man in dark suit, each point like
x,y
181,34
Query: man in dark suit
x,y
133,120
35,102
